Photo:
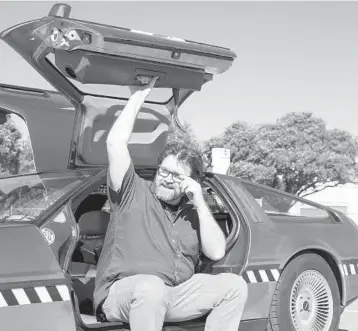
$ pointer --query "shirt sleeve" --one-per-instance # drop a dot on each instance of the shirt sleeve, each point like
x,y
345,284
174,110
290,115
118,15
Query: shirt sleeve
x,y
126,192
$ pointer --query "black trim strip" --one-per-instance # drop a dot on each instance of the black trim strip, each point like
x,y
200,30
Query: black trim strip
x,y
245,277
349,272
355,268
258,276
32,295
270,276
54,294
9,298
35,283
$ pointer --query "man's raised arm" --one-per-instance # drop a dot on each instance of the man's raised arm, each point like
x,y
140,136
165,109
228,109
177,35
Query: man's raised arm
x,y
118,137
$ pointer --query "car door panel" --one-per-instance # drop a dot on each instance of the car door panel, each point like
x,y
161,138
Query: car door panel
x,y
33,289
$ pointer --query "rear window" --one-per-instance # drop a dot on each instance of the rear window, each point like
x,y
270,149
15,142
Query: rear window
x,y
25,198
281,207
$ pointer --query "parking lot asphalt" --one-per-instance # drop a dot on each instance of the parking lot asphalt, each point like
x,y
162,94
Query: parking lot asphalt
x,y
349,319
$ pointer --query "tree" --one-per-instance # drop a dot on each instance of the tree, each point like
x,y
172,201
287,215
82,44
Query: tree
x,y
15,153
297,154
187,137
27,164
10,148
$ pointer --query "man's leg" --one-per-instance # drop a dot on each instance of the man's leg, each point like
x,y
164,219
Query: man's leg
x,y
141,300
223,295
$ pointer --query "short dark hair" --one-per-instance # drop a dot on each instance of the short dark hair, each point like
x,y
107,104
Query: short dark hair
x,y
185,155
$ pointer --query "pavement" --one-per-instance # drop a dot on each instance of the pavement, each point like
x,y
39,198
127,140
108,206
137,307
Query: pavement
x,y
349,319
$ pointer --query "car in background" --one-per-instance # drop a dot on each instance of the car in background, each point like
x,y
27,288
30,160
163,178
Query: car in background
x,y
299,258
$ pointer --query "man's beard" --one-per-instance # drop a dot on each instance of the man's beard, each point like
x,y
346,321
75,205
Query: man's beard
x,y
166,194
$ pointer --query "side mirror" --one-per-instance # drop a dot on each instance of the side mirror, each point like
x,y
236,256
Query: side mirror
x,y
3,118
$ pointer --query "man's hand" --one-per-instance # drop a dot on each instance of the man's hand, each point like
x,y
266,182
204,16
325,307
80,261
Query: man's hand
x,y
212,238
192,189
148,84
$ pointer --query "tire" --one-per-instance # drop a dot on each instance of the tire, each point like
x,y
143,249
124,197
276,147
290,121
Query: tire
x,y
284,315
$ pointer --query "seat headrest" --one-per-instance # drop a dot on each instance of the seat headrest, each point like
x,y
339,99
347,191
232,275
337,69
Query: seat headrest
x,y
94,223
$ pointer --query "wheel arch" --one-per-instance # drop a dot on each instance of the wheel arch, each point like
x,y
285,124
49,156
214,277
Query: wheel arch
x,y
331,261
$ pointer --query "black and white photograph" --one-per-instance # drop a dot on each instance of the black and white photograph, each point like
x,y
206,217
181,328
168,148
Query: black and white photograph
x,y
178,165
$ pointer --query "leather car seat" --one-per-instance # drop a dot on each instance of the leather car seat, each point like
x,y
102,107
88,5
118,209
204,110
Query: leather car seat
x,y
93,226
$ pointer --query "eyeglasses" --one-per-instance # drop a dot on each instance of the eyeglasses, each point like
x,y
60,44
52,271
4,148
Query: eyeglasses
x,y
165,173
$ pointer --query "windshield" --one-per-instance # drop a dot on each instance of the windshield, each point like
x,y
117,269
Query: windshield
x,y
26,198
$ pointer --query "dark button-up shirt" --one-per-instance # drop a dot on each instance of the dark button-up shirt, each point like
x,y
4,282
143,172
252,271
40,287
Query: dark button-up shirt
x,y
146,236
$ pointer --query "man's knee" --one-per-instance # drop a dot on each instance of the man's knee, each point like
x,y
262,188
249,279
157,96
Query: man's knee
x,y
235,285
151,289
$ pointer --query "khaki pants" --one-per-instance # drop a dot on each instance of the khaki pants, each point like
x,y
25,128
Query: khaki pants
x,y
145,302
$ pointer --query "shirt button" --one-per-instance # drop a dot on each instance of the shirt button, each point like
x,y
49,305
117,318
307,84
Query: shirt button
x,y
178,255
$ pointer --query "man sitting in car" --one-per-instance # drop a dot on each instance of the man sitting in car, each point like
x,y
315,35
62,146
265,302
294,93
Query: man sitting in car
x,y
145,275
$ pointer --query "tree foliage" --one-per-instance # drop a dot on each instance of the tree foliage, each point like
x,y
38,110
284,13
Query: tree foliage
x,y
15,153
297,154
187,137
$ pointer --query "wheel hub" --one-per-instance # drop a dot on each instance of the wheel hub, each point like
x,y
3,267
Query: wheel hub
x,y
304,306
311,302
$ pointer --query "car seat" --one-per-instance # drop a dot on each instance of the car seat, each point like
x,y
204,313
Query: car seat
x,y
92,227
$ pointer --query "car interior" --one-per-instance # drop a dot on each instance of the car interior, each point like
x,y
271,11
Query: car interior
x,y
92,215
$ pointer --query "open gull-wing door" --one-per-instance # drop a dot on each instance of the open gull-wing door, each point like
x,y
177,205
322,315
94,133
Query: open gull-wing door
x,y
81,59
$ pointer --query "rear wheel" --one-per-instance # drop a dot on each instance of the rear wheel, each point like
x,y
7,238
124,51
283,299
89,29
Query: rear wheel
x,y
306,297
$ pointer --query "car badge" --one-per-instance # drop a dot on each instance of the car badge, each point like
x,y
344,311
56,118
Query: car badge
x,y
49,235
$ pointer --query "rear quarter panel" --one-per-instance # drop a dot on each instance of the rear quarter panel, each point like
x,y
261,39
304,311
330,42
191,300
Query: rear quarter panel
x,y
34,292
274,243
335,239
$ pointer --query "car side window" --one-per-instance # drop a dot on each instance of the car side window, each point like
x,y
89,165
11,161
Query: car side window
x,y
25,198
276,205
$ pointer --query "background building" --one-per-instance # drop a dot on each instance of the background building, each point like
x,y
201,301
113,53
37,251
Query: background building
x,y
343,198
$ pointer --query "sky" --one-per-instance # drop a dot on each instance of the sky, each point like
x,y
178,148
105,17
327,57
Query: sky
x,y
291,56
